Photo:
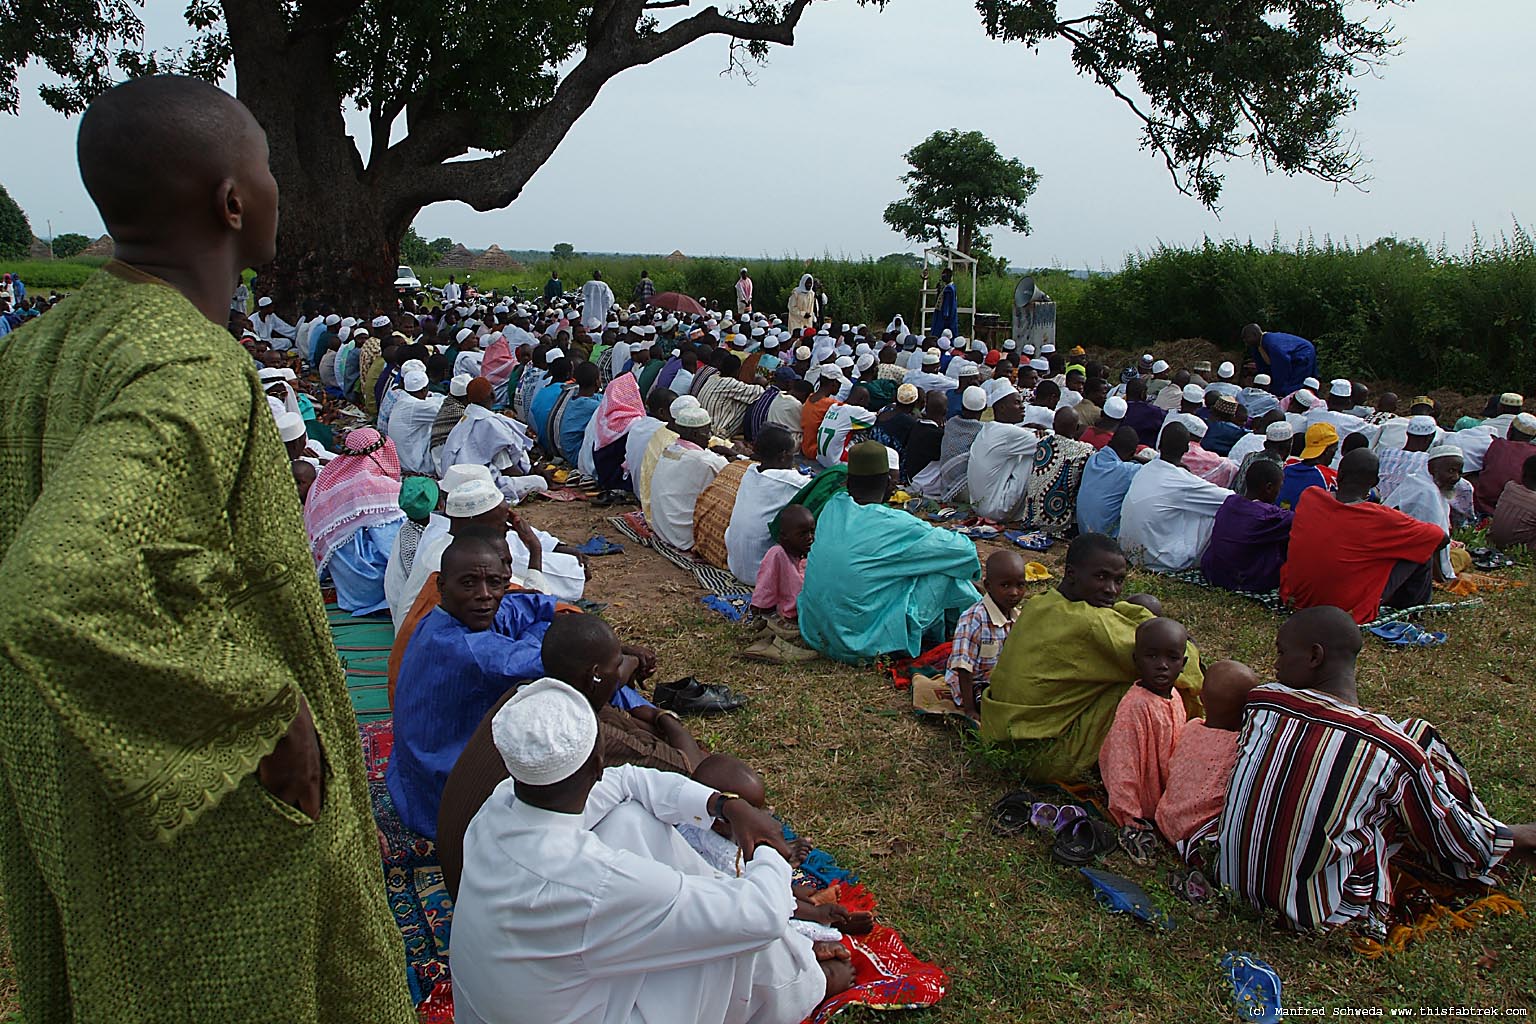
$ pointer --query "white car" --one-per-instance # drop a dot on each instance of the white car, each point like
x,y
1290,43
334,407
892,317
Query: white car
x,y
406,280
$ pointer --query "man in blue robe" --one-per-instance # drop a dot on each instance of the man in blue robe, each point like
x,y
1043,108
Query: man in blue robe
x,y
1287,359
947,316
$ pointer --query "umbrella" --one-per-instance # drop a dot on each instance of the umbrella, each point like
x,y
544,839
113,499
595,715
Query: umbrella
x,y
677,302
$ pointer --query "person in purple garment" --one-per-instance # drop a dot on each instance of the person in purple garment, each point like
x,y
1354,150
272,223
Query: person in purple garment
x,y
1141,415
1250,536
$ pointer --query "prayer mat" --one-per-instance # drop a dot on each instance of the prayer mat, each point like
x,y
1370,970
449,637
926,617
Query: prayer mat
x,y
363,645
933,660
887,976
931,699
1270,599
716,581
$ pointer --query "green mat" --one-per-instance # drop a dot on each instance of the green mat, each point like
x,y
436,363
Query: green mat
x,y
364,644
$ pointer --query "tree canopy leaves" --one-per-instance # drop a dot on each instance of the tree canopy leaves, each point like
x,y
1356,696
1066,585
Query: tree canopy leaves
x,y
15,231
959,180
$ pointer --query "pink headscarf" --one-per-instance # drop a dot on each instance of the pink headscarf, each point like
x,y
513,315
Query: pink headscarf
x,y
499,362
621,406
358,488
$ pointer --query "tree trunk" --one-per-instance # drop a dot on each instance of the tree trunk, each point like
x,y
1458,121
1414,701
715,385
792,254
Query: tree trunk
x,y
338,235
964,234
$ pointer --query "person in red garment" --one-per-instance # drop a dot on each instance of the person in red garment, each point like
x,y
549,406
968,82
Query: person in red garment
x,y
1353,553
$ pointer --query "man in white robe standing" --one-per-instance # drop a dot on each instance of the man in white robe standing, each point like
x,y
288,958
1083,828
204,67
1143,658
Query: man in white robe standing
x,y
1168,513
596,301
631,923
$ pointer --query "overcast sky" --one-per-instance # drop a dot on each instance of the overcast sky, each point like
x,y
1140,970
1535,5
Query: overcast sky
x,y
804,161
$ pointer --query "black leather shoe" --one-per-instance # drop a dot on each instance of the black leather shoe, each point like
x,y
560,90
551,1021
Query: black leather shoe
x,y
689,696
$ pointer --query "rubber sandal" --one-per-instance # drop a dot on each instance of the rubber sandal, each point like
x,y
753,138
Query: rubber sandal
x,y
1120,895
1406,634
1011,815
1034,541
1139,841
1082,842
1255,987
597,544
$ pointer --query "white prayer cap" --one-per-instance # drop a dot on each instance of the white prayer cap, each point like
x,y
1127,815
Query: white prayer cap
x,y
803,352
945,343
758,332
1047,348
349,321
290,426
772,341
359,332
1525,424
1115,407
1304,398
464,332
974,399
1226,371
461,473
946,333
1000,390
380,321
1009,345
264,302
694,415
1028,350
1513,399
1039,416
553,354
1312,382
413,364
344,333
415,381
978,345
1422,426
1445,451
864,362
844,330
1262,379
1280,430
1194,393
459,385
271,374
1196,425
680,403
332,320
930,357
474,498
545,733
861,348
501,308
743,270
1340,388
1161,366
843,362
1039,365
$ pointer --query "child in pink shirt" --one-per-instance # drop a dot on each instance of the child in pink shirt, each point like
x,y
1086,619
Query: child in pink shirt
x,y
1136,753
782,571
1205,754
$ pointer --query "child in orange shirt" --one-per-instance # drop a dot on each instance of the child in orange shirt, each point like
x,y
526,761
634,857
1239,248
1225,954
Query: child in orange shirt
x,y
1136,752
1205,754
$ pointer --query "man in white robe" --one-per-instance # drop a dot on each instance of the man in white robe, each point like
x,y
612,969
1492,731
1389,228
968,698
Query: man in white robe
x,y
1168,513
927,377
685,468
1002,457
410,424
270,327
631,923
1336,412
764,490
596,301
497,442
1426,495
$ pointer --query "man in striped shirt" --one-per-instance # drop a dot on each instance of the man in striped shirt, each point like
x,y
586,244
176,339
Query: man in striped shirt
x,y
1325,793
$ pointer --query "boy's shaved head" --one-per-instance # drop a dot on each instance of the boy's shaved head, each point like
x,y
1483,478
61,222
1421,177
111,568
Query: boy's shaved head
x,y
999,562
1162,630
1225,693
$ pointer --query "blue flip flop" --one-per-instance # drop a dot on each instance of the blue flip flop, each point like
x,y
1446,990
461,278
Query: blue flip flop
x,y
1406,634
1036,541
597,544
1255,987
732,606
1120,895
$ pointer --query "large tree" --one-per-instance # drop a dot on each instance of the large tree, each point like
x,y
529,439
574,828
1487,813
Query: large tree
x,y
488,90
959,180
15,231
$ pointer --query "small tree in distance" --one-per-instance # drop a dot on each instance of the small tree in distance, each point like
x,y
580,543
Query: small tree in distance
x,y
562,251
959,180
70,243
15,232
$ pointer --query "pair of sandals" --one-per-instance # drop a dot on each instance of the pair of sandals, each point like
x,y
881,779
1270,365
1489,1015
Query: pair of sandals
x,y
1406,634
1490,559
1080,839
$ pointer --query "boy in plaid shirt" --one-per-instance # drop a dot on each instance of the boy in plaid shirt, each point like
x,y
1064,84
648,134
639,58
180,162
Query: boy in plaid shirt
x,y
982,629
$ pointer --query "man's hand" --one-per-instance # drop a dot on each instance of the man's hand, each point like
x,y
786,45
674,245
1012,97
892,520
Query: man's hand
x,y
530,540
1524,837
645,657
295,771
750,827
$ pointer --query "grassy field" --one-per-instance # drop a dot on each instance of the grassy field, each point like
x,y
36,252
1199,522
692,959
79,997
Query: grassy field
x,y
903,803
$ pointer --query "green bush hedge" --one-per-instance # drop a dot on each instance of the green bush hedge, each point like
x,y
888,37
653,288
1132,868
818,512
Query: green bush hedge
x,y
51,275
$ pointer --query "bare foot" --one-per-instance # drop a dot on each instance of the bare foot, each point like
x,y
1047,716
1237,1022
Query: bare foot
x,y
837,965
799,850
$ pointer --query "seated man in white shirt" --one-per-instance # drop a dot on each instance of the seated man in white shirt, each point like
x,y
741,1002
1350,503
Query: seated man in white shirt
x,y
632,924
765,489
685,468
1002,457
1168,514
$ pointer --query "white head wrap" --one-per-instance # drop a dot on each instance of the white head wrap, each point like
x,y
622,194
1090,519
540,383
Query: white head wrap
x,y
544,733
